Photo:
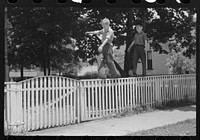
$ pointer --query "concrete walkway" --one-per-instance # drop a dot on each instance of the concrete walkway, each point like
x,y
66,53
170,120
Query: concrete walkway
x,y
123,126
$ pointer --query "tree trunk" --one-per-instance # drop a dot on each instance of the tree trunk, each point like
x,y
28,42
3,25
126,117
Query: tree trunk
x,y
6,78
48,61
44,70
49,70
129,39
144,19
44,61
22,71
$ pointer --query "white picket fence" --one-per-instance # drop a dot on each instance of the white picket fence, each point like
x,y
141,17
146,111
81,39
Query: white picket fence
x,y
110,96
51,101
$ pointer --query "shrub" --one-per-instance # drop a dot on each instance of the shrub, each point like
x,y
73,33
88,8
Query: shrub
x,y
89,76
180,64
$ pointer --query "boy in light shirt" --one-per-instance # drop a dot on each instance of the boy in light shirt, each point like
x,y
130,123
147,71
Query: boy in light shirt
x,y
106,48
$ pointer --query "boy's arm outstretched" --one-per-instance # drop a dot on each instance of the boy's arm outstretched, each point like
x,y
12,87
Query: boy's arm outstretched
x,y
93,32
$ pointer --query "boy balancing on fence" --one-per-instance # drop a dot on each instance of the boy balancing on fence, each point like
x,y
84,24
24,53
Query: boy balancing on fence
x,y
106,48
139,42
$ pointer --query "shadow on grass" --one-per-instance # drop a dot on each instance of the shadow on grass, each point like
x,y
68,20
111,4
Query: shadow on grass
x,y
181,105
188,108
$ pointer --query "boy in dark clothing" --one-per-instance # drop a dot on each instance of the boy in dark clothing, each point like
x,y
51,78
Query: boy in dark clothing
x,y
139,42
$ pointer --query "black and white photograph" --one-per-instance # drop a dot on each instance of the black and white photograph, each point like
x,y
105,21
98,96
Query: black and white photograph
x,y
100,71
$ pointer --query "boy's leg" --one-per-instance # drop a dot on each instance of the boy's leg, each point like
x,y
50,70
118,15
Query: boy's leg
x,y
109,60
99,59
102,64
111,66
135,60
143,59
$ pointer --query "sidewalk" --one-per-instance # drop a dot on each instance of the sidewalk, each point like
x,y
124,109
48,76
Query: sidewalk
x,y
122,126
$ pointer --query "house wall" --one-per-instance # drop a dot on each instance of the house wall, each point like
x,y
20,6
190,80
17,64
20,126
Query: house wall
x,y
159,62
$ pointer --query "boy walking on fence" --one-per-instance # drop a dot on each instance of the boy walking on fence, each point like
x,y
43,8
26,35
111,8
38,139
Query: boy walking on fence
x,y
139,43
106,48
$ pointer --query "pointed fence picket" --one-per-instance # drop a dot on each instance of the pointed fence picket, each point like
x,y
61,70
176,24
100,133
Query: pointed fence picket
x,y
52,101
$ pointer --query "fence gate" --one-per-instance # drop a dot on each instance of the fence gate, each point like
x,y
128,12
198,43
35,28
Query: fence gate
x,y
43,102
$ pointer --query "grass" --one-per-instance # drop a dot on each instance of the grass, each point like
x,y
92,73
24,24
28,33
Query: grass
x,y
16,129
184,128
175,103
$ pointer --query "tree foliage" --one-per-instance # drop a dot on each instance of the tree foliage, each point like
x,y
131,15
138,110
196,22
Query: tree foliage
x,y
42,33
160,24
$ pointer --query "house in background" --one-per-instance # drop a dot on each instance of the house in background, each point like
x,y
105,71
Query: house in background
x,y
155,61
15,75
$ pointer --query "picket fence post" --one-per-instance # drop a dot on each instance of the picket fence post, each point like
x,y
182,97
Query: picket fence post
x,y
15,121
82,100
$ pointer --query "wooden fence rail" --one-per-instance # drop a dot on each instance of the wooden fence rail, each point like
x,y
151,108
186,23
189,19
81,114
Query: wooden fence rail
x,y
51,101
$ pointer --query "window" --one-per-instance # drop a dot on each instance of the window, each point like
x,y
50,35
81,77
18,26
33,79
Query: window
x,y
149,60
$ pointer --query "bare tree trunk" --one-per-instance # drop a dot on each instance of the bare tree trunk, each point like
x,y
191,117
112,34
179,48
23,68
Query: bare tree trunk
x,y
44,61
129,39
49,70
6,78
44,69
48,61
144,19
22,71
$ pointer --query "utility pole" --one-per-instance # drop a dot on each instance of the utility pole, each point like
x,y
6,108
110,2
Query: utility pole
x,y
6,78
